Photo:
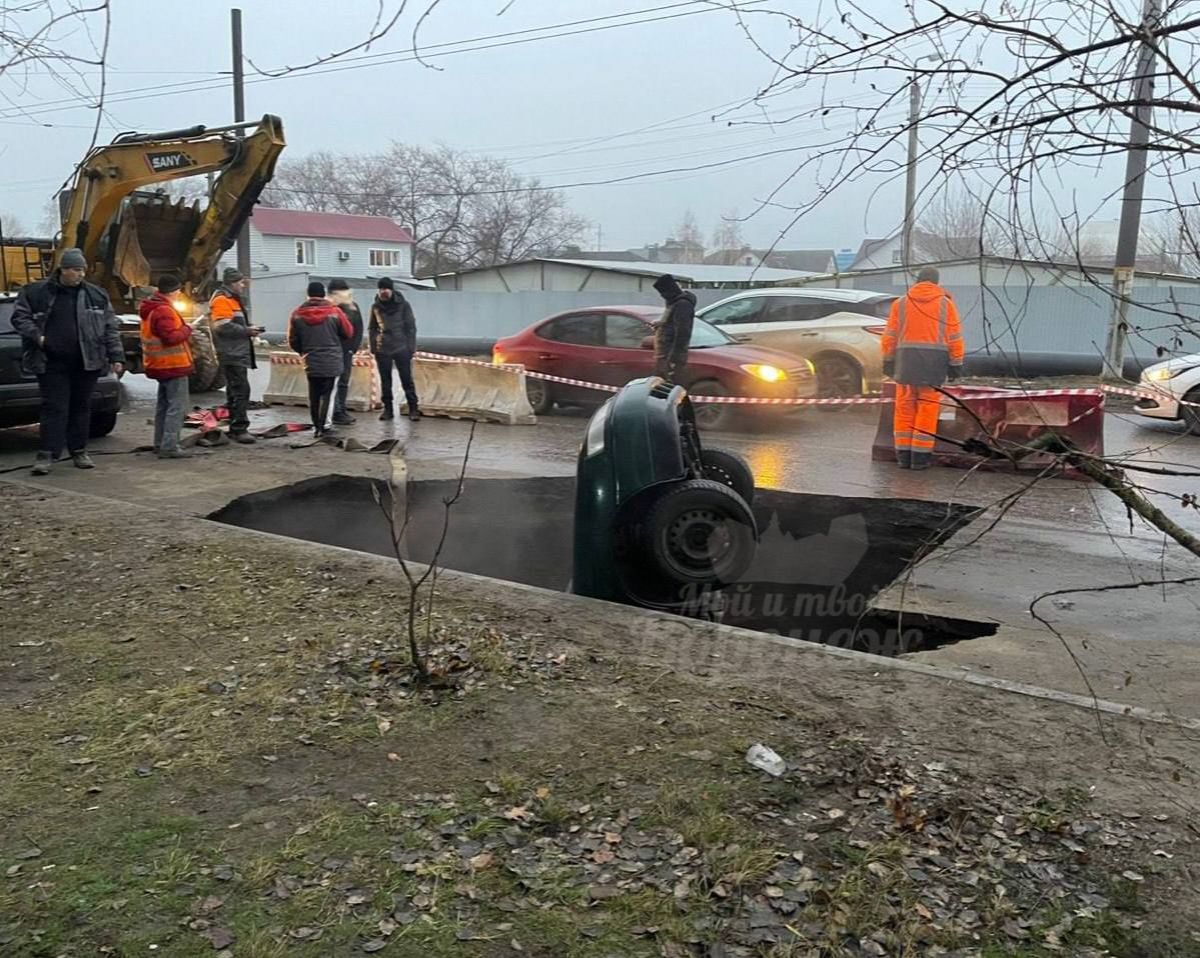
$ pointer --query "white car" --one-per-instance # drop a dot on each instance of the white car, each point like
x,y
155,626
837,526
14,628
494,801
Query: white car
x,y
837,330
1175,382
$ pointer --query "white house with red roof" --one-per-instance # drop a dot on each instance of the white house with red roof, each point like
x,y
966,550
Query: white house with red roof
x,y
326,245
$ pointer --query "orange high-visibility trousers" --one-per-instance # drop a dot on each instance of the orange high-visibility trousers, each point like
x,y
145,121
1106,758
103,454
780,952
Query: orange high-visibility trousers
x,y
915,422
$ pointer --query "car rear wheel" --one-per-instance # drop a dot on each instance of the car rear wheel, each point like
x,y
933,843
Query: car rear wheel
x,y
838,377
729,469
102,423
712,415
1191,414
700,531
537,391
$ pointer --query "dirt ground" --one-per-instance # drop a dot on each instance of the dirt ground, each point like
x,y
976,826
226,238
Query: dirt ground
x,y
210,743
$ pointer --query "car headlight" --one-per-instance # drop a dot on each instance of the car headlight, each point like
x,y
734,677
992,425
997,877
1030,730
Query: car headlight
x,y
1168,372
594,440
766,372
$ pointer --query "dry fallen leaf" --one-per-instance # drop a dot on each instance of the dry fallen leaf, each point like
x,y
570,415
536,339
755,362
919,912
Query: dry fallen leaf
x,y
602,856
543,793
517,814
481,861
613,838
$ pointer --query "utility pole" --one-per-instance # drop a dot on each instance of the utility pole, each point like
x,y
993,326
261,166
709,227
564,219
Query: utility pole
x,y
239,116
1131,202
910,186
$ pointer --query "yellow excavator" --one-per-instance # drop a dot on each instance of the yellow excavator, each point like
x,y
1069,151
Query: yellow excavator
x,y
130,235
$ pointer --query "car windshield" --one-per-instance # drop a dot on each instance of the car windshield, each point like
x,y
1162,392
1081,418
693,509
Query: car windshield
x,y
705,335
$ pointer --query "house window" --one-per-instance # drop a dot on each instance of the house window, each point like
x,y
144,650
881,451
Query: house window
x,y
306,252
386,258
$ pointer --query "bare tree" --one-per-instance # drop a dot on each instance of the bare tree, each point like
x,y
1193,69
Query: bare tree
x,y
394,503
727,240
463,210
11,225
688,240
957,224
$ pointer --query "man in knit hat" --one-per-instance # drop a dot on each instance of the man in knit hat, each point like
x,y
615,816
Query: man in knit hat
x,y
673,332
70,338
233,337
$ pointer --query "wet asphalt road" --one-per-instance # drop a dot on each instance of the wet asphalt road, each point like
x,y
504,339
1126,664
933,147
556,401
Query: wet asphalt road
x,y
810,451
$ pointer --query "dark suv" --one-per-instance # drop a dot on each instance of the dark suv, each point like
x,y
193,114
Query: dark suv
x,y
20,398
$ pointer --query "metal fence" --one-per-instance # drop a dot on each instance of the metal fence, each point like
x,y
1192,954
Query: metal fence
x,y
1003,321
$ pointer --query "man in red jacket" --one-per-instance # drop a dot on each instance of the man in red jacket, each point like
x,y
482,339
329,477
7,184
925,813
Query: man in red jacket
x,y
167,358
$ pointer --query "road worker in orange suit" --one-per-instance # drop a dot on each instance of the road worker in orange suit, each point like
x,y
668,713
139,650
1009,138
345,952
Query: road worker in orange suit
x,y
922,348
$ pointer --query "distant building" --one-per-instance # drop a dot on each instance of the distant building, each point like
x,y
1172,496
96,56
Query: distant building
x,y
995,272
805,260
575,275
889,251
326,244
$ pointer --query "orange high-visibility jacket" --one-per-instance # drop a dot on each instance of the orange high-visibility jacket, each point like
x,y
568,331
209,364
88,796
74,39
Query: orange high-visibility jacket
x,y
924,336
165,350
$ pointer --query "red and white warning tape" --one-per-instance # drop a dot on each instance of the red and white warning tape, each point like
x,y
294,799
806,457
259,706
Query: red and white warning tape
x,y
981,392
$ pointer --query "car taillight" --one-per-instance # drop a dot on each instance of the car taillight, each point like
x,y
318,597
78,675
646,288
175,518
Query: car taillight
x,y
497,357
876,330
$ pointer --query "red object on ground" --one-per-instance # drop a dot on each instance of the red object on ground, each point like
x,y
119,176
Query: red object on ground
x,y
1009,416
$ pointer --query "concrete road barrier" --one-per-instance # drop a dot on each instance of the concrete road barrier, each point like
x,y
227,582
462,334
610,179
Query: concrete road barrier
x,y
288,385
462,390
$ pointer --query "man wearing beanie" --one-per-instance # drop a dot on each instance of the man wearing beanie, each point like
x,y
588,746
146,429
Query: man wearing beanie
x,y
69,339
234,338
343,299
673,333
318,331
167,358
393,332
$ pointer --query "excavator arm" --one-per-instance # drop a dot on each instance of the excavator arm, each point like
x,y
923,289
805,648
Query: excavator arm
x,y
98,221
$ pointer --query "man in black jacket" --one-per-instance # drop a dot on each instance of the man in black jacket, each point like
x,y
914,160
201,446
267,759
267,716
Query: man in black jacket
x,y
673,333
393,331
70,338
341,297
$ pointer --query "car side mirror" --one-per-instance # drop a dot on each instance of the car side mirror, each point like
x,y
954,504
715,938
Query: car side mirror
x,y
648,342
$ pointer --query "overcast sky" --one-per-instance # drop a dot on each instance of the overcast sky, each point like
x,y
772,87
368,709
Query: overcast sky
x,y
595,106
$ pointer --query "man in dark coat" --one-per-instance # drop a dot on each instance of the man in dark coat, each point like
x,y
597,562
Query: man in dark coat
x,y
70,338
341,297
673,333
318,331
233,336
393,332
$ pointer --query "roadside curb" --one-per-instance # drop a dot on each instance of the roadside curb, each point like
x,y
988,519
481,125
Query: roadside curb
x,y
689,640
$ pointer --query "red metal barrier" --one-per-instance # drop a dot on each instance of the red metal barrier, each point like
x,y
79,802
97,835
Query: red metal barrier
x,y
1009,415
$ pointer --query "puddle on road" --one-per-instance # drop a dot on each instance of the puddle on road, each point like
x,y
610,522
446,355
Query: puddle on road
x,y
820,560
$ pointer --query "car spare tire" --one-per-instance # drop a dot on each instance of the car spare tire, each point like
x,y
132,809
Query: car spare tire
x,y
699,531
729,469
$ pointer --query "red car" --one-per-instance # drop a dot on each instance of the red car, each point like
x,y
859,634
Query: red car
x,y
613,345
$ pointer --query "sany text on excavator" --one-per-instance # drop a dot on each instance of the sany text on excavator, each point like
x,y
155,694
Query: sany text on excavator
x,y
130,236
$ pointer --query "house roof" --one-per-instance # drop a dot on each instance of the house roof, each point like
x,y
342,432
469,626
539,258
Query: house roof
x,y
612,256
317,225
810,260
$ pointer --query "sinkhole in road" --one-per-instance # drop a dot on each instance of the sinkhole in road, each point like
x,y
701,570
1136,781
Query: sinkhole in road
x,y
820,560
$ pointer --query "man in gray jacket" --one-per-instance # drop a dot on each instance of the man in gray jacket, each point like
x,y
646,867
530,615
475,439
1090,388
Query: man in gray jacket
x,y
70,339
234,338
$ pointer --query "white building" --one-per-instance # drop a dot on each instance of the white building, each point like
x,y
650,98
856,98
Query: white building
x,y
326,245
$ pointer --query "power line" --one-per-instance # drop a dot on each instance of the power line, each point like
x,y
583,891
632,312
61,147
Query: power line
x,y
195,86
545,189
